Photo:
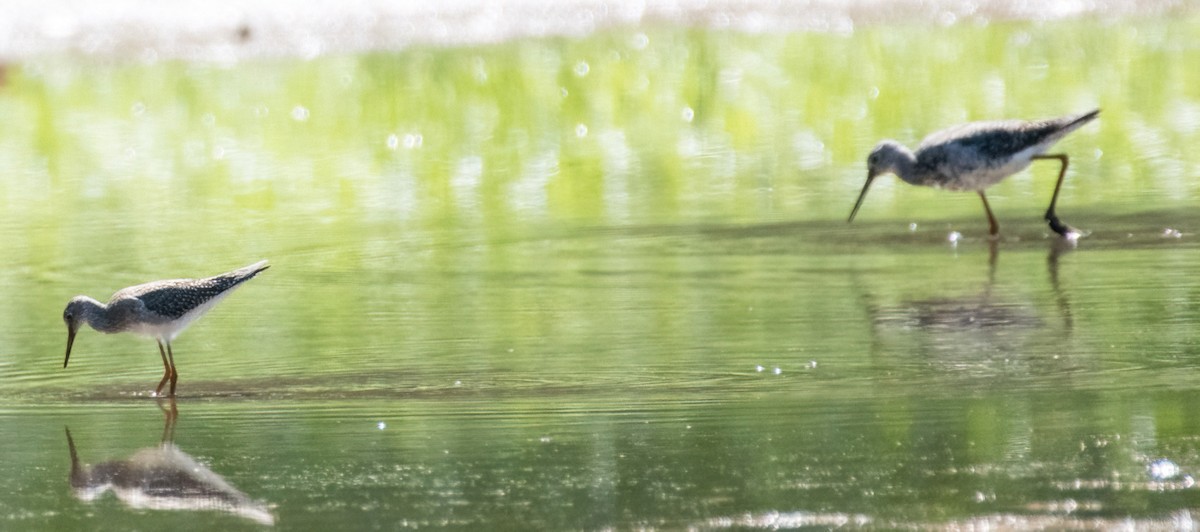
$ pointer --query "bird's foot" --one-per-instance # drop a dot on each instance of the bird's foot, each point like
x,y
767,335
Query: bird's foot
x,y
1064,230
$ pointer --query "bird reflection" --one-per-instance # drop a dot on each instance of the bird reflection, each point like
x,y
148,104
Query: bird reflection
x,y
163,478
957,329
982,310
1057,249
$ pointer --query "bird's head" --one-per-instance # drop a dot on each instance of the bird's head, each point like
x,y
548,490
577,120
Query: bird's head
x,y
74,316
882,160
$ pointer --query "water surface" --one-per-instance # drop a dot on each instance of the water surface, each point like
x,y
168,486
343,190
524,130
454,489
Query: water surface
x,y
607,282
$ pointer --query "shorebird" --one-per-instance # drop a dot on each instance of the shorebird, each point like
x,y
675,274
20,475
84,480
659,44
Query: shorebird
x,y
159,309
976,156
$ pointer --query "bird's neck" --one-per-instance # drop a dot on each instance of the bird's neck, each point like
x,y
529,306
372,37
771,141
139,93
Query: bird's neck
x,y
100,317
904,165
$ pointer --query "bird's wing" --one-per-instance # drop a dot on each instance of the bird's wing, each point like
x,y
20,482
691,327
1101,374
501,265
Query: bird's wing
x,y
172,299
982,146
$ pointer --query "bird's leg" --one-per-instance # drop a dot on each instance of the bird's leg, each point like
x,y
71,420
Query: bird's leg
x,y
993,227
1055,224
174,373
993,255
166,370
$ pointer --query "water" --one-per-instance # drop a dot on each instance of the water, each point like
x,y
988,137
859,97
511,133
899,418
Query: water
x,y
607,282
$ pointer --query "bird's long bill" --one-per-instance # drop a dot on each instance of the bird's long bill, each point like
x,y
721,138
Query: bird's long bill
x,y
862,195
70,341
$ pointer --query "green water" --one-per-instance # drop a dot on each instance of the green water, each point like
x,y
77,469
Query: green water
x,y
608,283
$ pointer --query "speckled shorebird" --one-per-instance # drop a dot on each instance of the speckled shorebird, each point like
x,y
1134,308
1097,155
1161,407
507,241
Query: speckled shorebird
x,y
976,156
159,309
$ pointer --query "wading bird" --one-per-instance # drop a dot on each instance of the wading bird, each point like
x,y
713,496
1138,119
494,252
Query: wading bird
x,y
159,309
976,156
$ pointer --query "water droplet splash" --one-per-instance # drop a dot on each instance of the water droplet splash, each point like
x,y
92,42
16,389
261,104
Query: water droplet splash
x,y
299,113
1163,469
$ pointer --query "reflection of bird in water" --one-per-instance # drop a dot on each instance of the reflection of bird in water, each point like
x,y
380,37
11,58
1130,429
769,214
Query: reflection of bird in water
x,y
976,156
163,478
160,309
959,314
977,335
987,331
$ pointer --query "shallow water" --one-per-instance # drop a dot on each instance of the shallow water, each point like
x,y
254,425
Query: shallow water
x,y
608,282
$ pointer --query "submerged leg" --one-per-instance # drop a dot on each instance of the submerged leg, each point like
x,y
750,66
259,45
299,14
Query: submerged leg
x,y
174,373
1055,224
993,227
167,370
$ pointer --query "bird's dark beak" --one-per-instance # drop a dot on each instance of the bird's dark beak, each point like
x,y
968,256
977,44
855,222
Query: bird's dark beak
x,y
862,195
70,340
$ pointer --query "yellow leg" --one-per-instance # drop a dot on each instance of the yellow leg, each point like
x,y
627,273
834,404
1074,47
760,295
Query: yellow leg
x,y
1055,224
174,372
993,227
166,370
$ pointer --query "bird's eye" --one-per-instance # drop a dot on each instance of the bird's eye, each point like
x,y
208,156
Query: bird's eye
x,y
67,315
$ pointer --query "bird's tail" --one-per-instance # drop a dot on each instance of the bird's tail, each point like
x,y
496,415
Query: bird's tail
x,y
1057,128
262,264
247,273
1074,123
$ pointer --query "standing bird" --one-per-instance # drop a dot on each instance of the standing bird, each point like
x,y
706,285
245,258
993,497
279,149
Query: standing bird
x,y
160,309
976,156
